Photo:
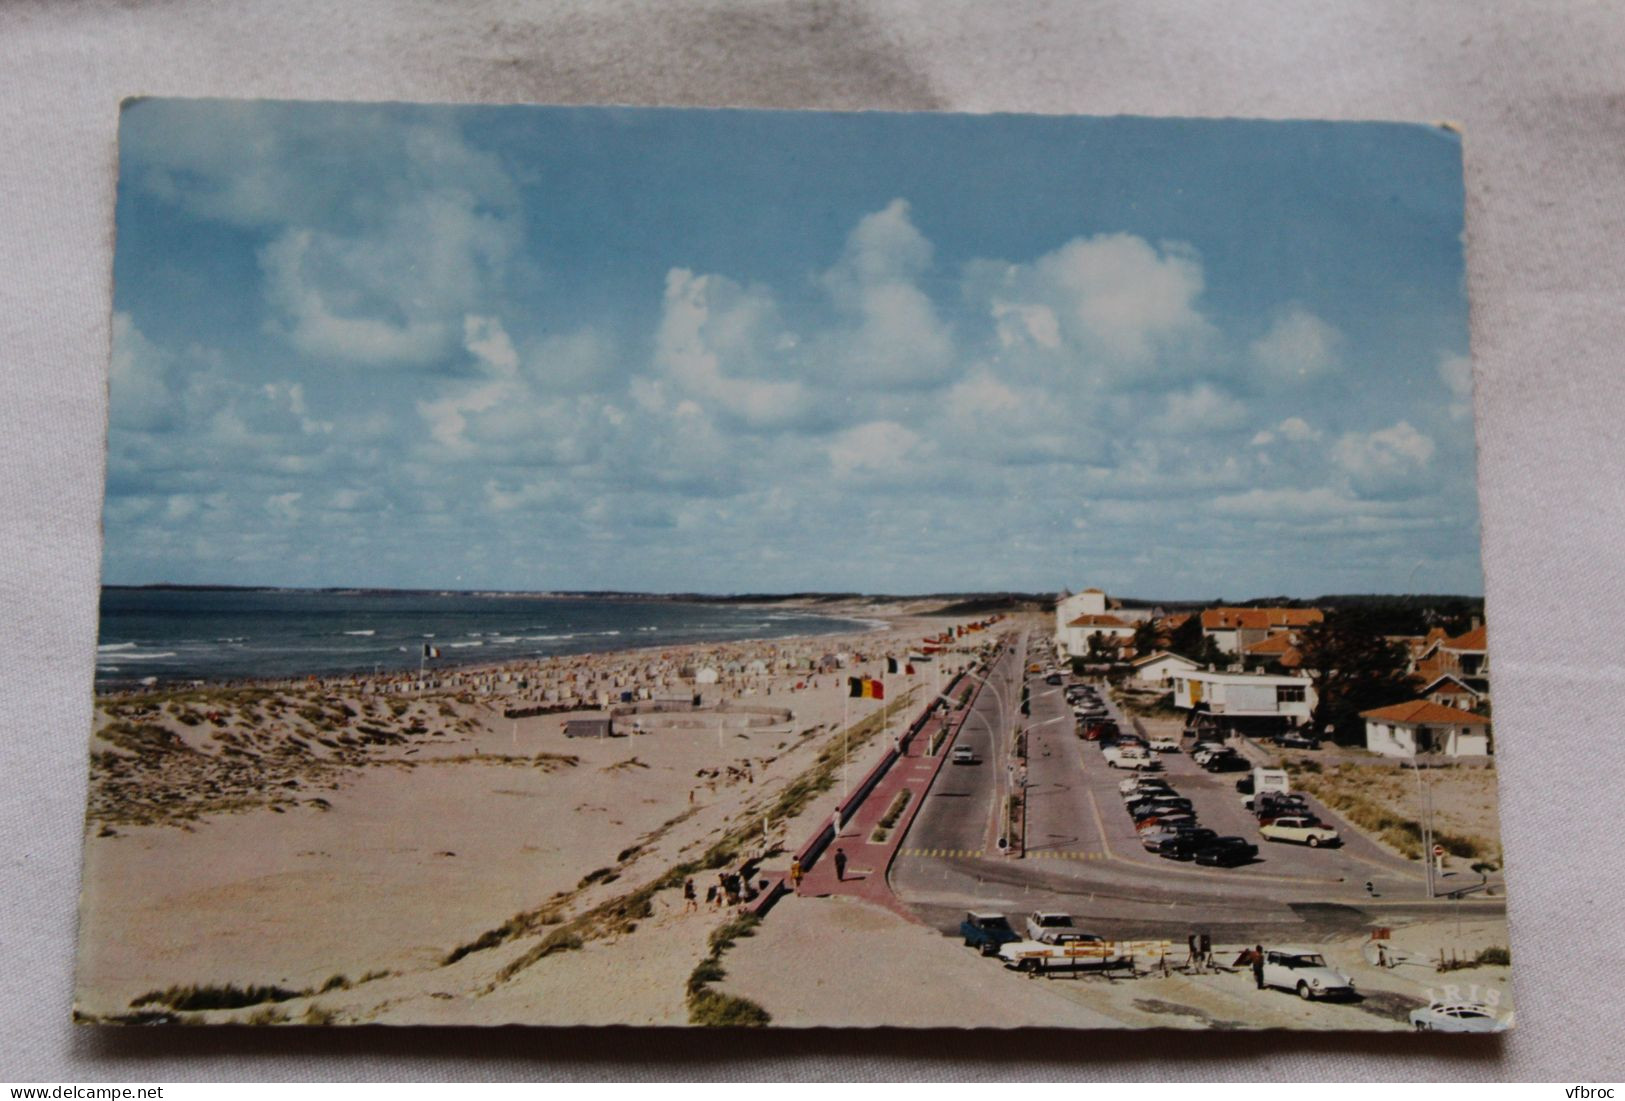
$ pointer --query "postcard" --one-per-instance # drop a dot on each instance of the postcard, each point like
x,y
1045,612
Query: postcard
x,y
589,566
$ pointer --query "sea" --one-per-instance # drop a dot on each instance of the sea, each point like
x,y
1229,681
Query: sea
x,y
229,634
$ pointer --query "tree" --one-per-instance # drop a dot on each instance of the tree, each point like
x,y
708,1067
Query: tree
x,y
1147,639
1353,669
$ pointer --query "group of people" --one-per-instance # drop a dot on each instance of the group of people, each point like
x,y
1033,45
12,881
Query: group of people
x,y
730,889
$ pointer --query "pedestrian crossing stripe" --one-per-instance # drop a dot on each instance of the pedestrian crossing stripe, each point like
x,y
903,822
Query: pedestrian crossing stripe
x,y
951,854
1066,856
944,853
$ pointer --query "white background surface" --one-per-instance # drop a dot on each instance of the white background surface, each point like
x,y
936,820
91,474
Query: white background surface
x,y
1539,89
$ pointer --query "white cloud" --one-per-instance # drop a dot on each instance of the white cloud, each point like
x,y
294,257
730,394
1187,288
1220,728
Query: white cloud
x,y
307,314
1203,408
1298,346
1298,430
1017,323
1387,459
879,447
1113,295
1283,504
284,506
713,346
487,340
139,388
890,334
1457,374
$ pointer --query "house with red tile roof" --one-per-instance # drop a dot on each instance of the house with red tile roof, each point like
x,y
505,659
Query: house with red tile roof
x,y
1234,629
1421,727
1465,657
1452,691
1281,649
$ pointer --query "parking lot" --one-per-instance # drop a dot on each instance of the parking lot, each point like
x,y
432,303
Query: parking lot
x,y
1083,855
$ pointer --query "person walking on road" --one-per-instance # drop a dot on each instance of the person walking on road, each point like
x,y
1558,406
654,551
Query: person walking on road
x,y
840,865
1258,965
795,873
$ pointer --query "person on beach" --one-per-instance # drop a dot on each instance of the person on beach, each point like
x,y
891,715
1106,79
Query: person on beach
x,y
795,873
691,905
1258,966
840,865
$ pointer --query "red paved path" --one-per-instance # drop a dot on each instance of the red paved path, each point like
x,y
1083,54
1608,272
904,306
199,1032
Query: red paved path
x,y
867,862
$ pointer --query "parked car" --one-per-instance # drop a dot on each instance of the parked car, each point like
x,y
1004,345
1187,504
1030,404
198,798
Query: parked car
x,y
1276,805
1155,837
1165,745
1301,831
1305,971
1078,951
1164,817
1151,803
1227,762
1204,749
1130,755
1185,844
1138,786
1045,925
987,932
1294,740
1456,1017
964,755
1227,852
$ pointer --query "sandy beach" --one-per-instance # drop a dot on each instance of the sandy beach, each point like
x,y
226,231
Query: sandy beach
x,y
397,850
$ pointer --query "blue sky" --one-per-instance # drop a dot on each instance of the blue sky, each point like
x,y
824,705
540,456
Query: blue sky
x,y
561,348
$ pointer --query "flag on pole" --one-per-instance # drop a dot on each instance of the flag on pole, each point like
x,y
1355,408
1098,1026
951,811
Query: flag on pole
x,y
892,666
865,688
430,651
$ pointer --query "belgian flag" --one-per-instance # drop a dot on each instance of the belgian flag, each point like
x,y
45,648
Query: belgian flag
x,y
865,688
892,666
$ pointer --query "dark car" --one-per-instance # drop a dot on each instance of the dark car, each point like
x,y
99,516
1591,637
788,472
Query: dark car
x,y
1297,741
1227,852
1228,762
987,932
1187,843
1053,678
1162,804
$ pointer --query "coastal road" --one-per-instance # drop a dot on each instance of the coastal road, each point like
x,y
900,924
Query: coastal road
x,y
1083,855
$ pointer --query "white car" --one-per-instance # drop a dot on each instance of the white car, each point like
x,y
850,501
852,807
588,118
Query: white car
x,y
1134,785
1165,745
1203,750
1045,926
1300,831
1305,972
1130,756
1456,1017
1071,951
964,755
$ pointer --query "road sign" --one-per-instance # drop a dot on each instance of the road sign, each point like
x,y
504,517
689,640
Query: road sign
x,y
1438,850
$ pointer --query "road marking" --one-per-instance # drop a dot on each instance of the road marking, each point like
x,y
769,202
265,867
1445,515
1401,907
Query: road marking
x,y
943,854
1066,856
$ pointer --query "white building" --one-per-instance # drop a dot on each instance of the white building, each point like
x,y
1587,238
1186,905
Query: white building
x,y
1254,698
1422,727
1068,608
1074,637
1160,667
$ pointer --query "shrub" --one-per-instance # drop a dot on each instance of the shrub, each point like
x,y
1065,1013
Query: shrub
x,y
708,1009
